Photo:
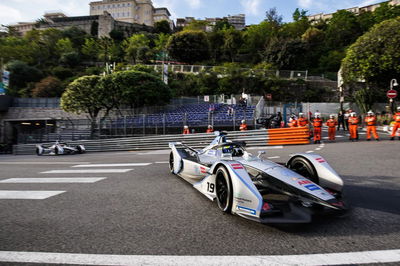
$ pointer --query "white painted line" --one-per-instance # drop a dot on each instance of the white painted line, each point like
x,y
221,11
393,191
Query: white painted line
x,y
43,163
274,157
161,162
111,165
321,146
53,180
318,149
309,151
88,171
325,137
363,257
340,136
28,194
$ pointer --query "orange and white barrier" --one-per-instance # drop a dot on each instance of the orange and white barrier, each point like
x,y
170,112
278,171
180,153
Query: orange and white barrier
x,y
288,136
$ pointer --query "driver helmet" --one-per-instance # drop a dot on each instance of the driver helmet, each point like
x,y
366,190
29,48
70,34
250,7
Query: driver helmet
x,y
318,115
332,116
301,114
370,113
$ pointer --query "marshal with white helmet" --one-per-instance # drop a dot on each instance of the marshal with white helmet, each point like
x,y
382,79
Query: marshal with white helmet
x,y
258,189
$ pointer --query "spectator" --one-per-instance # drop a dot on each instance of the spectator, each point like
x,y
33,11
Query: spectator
x,y
186,130
279,119
346,119
243,126
230,110
341,120
210,129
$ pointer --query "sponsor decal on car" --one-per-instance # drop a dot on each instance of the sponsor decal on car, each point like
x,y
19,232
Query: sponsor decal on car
x,y
237,166
242,200
320,160
248,210
203,170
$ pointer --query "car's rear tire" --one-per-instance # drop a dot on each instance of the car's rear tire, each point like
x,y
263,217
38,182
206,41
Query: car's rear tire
x,y
56,151
39,152
223,189
80,149
171,163
303,167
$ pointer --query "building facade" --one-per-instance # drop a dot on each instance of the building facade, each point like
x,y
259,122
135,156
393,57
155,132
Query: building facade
x,y
237,21
131,11
355,10
100,25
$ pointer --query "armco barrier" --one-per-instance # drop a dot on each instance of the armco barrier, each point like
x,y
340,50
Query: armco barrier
x,y
160,142
288,136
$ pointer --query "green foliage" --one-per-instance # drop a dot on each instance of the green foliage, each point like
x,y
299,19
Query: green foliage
x,y
189,46
197,25
83,96
21,74
162,27
342,30
375,56
134,46
48,87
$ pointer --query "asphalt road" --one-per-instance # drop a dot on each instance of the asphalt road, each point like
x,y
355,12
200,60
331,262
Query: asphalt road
x,y
148,211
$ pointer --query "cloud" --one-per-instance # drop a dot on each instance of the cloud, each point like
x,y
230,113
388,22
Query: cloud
x,y
194,4
306,3
251,7
8,14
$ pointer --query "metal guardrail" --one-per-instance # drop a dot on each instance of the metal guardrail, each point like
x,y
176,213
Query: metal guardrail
x,y
252,138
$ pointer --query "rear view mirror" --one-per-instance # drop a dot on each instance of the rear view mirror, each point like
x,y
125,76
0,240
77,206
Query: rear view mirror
x,y
261,153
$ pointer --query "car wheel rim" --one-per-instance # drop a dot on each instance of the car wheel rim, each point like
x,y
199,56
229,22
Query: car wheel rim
x,y
222,191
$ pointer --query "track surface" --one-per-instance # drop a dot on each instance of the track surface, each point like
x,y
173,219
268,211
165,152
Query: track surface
x,y
148,211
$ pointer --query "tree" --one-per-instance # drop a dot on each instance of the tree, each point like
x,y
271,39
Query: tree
x,y
48,87
83,96
189,46
222,25
134,45
21,74
162,27
342,30
232,42
197,25
91,48
375,58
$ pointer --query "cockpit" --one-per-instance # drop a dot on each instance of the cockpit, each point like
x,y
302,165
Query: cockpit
x,y
233,149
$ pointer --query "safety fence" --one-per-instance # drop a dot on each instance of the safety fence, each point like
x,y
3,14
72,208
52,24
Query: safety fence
x,y
288,136
252,138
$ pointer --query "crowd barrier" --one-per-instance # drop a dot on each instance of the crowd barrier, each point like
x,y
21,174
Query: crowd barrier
x,y
288,136
159,142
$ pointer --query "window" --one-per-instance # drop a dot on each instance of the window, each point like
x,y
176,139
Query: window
x,y
123,5
118,5
113,5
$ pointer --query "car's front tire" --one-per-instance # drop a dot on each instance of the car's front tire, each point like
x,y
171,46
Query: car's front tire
x,y
304,168
223,189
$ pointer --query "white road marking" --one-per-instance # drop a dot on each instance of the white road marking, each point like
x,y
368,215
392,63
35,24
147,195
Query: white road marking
x,y
318,149
161,162
112,165
88,171
154,152
28,194
43,163
363,257
53,180
309,151
340,136
274,157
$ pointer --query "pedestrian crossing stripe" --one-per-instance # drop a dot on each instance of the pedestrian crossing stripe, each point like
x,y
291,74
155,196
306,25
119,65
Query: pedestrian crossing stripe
x,y
28,194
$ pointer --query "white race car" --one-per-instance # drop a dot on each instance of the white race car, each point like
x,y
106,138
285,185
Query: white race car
x,y
258,189
59,148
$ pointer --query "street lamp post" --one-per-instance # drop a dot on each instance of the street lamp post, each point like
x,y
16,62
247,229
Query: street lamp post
x,y
393,83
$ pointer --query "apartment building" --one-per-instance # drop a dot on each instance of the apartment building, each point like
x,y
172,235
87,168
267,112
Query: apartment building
x,y
132,11
355,10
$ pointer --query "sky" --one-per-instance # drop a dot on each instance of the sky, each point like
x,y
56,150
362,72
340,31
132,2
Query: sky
x,y
12,11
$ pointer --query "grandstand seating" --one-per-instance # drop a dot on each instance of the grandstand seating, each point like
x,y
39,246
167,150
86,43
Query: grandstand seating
x,y
192,115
